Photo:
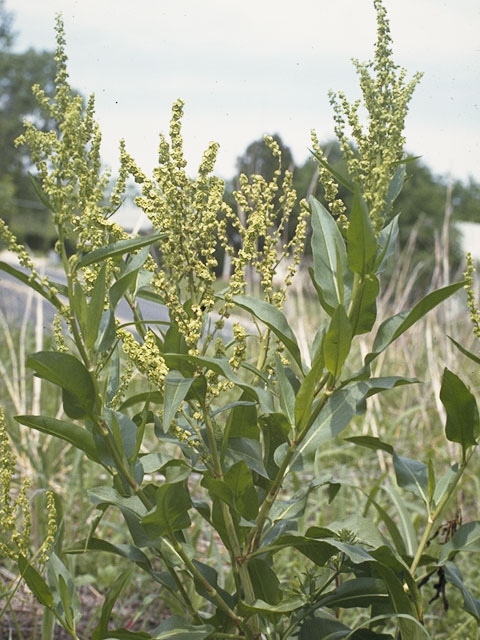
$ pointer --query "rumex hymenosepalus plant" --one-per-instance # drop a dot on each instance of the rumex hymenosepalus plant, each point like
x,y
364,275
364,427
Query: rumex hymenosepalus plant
x,y
230,412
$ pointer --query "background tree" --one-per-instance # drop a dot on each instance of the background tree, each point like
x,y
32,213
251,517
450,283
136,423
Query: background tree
x,y
19,205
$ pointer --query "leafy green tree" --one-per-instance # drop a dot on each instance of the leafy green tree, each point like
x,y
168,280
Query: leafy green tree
x,y
18,72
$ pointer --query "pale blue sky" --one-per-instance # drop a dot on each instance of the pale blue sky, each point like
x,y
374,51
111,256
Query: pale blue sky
x,y
262,66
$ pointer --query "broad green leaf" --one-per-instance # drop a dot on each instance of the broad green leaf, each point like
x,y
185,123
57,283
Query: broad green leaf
x,y
306,393
75,435
411,475
330,273
361,241
387,244
391,526
359,592
119,249
466,538
67,372
364,311
176,628
95,308
394,326
153,397
211,576
171,511
106,334
176,388
275,321
370,442
396,185
35,582
101,630
273,610
285,391
275,430
62,584
463,422
25,279
401,603
337,341
338,176
266,585
470,604
223,368
248,450
245,500
445,483
242,419
318,551
128,276
404,518
465,352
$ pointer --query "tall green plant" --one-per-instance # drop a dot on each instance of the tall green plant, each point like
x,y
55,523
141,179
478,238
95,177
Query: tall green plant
x,y
227,418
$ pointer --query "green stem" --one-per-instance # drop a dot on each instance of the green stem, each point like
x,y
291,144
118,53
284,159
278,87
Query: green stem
x,y
206,585
238,560
437,513
256,533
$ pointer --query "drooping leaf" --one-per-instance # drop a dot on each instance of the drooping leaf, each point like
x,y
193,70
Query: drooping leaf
x,y
394,326
275,321
171,511
359,592
465,352
266,584
465,538
454,576
463,422
75,435
119,249
411,475
67,372
25,279
35,582
176,628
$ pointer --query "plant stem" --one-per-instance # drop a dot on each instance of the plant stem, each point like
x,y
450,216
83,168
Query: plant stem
x,y
435,515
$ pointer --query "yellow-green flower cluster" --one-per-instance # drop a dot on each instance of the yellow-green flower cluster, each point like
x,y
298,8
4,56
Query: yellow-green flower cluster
x,y
377,148
187,212
262,223
146,357
51,528
15,519
68,165
472,304
239,346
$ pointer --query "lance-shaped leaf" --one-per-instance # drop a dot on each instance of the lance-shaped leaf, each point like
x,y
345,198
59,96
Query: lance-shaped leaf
x,y
171,512
75,435
330,272
470,604
239,480
70,374
387,244
306,393
275,321
394,326
465,352
119,249
359,592
35,582
128,276
337,341
411,475
25,279
176,388
364,309
176,628
101,630
466,538
362,244
266,585
463,422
